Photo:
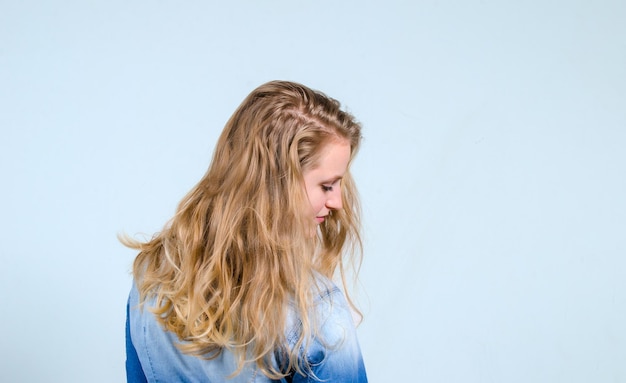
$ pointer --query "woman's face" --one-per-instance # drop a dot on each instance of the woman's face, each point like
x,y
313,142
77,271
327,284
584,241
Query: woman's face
x,y
323,181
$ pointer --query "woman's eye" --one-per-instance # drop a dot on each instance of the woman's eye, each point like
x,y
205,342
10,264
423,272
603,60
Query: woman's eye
x,y
327,188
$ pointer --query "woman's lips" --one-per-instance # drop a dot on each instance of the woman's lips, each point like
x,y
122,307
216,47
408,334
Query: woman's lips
x,y
319,219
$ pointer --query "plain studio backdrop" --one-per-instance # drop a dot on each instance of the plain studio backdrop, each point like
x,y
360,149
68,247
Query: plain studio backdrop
x,y
492,174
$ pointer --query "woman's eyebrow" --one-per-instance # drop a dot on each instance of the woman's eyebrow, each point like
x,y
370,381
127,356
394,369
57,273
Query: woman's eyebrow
x,y
332,179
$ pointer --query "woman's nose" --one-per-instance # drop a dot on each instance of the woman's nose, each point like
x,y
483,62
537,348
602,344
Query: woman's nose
x,y
334,201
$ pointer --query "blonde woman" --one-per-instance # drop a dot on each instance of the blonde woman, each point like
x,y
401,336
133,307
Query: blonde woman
x,y
238,285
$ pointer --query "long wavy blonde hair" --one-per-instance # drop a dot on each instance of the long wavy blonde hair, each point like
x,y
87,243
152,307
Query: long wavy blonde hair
x,y
240,248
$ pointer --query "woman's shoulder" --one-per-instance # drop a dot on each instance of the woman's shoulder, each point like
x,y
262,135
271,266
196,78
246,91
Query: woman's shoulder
x,y
330,314
332,352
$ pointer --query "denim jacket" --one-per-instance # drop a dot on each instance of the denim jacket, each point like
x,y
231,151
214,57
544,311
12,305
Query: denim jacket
x,y
152,355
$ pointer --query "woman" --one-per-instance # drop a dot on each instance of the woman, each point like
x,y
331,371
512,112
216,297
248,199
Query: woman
x,y
237,287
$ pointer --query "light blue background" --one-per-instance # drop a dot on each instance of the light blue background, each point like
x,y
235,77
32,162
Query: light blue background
x,y
492,173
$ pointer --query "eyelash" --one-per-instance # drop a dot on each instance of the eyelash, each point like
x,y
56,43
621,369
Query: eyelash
x,y
327,188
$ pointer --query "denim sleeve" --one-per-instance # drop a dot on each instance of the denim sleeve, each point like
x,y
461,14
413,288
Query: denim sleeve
x,y
134,372
334,354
